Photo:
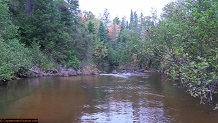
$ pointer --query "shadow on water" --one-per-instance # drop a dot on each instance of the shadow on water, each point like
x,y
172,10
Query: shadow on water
x,y
110,98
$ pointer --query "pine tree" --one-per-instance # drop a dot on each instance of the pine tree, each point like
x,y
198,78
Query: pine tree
x,y
135,22
91,28
102,33
106,18
131,20
116,20
123,24
53,25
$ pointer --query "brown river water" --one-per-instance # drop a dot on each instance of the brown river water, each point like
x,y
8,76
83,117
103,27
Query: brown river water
x,y
108,98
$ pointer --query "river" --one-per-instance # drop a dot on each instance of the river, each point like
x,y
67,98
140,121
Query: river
x,y
107,98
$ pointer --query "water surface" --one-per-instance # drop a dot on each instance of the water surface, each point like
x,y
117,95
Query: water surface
x,y
107,98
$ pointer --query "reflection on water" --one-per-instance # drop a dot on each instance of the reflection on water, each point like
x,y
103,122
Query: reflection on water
x,y
123,98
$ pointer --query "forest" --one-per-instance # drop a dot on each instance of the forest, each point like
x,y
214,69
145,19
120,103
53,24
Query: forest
x,y
182,42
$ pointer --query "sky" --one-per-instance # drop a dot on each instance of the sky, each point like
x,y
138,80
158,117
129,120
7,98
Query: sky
x,y
121,8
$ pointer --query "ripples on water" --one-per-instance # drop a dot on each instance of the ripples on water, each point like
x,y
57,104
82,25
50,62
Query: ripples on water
x,y
108,98
126,75
128,103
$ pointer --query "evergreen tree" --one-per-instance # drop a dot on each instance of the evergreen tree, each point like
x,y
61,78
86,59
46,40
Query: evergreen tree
x,y
106,18
51,24
102,33
91,28
116,20
123,24
131,20
135,22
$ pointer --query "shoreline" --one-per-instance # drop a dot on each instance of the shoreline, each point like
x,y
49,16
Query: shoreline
x,y
85,71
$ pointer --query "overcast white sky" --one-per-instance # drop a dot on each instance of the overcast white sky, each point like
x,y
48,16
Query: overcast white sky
x,y
122,8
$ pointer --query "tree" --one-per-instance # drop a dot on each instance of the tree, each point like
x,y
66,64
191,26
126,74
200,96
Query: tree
x,y
102,33
131,20
186,47
7,29
88,15
113,32
123,24
135,22
51,24
15,59
154,17
106,18
91,27
116,20
100,52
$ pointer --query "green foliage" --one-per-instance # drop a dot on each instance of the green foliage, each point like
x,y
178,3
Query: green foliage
x,y
116,20
114,57
41,60
49,28
91,28
100,52
183,44
102,33
131,20
13,56
186,41
105,19
50,24
74,62
7,29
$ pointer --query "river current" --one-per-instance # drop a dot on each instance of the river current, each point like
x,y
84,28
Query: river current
x,y
106,98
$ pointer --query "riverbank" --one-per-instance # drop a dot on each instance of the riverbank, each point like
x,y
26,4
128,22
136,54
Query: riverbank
x,y
64,72
59,72
85,71
139,70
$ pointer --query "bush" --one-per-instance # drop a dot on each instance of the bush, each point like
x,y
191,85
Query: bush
x,y
74,62
13,57
41,60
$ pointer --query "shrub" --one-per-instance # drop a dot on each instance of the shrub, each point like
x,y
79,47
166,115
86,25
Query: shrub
x,y
74,62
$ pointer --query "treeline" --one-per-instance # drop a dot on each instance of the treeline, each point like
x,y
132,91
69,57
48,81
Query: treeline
x,y
184,45
183,42
41,33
